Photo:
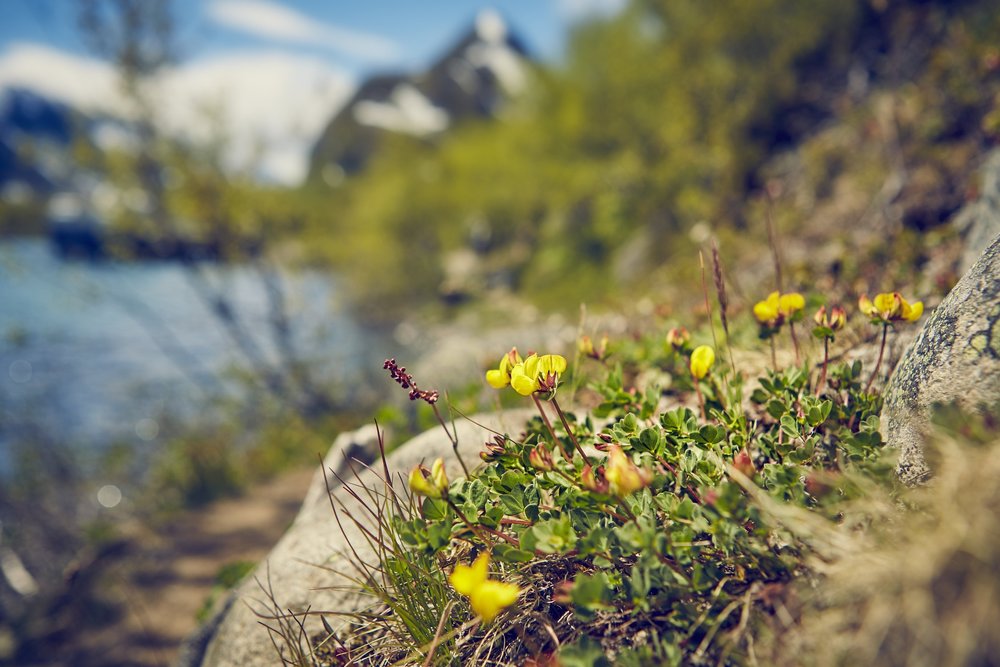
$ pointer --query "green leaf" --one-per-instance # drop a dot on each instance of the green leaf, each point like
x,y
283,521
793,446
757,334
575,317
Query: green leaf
x,y
553,536
789,426
510,554
513,502
584,652
590,593
651,439
435,509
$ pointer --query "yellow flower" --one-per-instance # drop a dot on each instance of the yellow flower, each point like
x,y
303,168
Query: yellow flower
x,y
537,374
777,307
500,377
789,304
487,597
420,485
768,311
701,361
890,307
623,476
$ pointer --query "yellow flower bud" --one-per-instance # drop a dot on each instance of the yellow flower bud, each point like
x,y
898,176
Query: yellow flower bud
x,y
678,337
439,477
540,458
623,476
701,361
419,484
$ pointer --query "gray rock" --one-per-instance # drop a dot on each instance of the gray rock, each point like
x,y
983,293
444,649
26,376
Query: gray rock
x,y
954,360
310,566
979,221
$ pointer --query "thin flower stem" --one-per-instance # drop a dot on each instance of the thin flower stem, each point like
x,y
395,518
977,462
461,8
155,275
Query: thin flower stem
x,y
701,399
881,351
826,360
774,356
477,529
548,425
569,431
795,341
452,437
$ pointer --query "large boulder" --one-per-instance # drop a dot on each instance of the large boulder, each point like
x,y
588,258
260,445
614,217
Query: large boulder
x,y
308,568
955,360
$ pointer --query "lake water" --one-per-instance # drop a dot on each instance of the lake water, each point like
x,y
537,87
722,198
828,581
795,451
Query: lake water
x,y
95,353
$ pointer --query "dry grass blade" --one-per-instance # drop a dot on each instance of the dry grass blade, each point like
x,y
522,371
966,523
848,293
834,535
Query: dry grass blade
x,y
720,293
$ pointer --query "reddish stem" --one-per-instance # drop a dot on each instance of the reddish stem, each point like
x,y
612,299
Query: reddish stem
x,y
878,364
826,360
552,432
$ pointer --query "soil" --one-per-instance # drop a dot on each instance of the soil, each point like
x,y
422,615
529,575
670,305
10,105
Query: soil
x,y
154,586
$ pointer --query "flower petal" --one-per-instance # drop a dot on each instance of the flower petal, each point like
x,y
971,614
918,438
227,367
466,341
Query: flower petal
x,y
497,378
913,312
466,579
888,304
791,303
491,597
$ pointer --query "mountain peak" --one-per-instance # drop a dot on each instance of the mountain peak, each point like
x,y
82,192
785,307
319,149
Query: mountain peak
x,y
472,79
490,27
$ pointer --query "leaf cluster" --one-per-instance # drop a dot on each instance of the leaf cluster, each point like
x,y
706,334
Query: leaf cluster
x,y
690,560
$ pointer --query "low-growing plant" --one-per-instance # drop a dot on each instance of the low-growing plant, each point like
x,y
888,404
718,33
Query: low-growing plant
x,y
636,532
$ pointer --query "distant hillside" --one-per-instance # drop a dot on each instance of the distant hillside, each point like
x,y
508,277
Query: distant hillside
x,y
470,80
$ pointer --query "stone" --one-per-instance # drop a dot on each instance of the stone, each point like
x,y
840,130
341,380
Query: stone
x,y
310,566
955,360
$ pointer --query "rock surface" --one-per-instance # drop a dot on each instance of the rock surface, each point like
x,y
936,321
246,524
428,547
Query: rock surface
x,y
307,568
954,360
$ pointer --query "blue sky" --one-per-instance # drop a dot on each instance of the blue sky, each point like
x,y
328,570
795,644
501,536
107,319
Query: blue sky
x,y
278,69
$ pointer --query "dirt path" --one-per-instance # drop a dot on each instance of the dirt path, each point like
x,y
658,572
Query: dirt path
x,y
166,576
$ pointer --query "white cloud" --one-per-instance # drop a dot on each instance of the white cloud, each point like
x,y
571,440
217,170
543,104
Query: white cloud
x,y
275,101
85,83
273,21
577,9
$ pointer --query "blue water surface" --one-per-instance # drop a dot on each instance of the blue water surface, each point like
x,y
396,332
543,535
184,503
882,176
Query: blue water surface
x,y
96,353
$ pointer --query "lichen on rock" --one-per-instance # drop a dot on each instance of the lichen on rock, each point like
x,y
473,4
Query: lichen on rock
x,y
955,360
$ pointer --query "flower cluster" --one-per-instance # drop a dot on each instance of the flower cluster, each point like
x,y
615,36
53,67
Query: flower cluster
x,y
890,307
534,375
587,348
678,338
405,380
777,309
827,323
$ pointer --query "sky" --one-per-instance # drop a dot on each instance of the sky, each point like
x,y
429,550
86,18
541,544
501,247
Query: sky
x,y
275,70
